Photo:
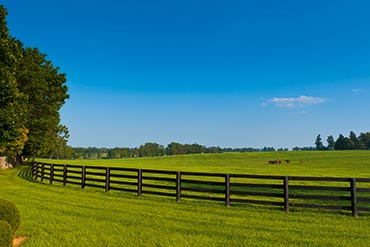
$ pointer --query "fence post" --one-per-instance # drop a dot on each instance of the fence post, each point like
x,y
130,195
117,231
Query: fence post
x,y
107,179
34,170
51,173
42,172
64,175
353,197
178,186
83,177
139,182
227,190
286,194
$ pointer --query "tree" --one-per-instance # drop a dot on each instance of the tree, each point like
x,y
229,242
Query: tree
x,y
175,148
46,92
32,91
13,133
357,144
58,148
268,149
343,143
331,142
151,149
365,139
114,153
318,143
339,143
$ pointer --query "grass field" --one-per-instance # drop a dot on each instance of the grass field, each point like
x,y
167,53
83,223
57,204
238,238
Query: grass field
x,y
317,163
68,216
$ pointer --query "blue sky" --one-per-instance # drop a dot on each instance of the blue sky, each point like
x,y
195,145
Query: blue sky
x,y
217,73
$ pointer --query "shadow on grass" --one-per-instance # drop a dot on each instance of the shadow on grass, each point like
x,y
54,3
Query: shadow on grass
x,y
26,172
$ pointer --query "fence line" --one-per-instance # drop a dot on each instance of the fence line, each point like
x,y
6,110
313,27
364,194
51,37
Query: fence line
x,y
353,194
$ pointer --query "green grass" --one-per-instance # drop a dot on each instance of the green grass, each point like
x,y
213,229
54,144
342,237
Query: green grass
x,y
316,163
53,215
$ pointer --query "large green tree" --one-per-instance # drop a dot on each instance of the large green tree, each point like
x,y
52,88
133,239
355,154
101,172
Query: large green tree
x,y
32,91
13,133
46,93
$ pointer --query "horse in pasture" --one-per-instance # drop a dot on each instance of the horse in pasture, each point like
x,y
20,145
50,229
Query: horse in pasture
x,y
271,162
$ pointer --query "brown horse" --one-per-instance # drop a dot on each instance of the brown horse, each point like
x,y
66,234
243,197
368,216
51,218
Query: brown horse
x,y
271,162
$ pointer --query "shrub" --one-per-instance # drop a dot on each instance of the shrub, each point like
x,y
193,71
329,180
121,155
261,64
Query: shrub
x,y
6,236
10,213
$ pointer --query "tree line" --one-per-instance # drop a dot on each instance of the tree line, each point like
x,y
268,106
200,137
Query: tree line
x,y
149,149
352,142
32,91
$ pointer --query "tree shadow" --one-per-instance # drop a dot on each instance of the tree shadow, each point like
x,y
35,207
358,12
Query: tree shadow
x,y
26,172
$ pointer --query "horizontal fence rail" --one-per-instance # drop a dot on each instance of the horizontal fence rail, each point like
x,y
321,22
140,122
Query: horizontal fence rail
x,y
349,194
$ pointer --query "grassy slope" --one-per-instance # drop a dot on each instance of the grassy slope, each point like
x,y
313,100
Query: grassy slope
x,y
318,163
67,216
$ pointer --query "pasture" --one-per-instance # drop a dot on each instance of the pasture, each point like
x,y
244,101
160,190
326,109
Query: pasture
x,y
317,163
53,215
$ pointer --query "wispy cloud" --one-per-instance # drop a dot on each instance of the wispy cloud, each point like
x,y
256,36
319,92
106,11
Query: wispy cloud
x,y
356,90
300,101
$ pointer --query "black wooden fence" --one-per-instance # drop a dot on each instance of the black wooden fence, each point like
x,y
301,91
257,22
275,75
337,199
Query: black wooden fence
x,y
349,194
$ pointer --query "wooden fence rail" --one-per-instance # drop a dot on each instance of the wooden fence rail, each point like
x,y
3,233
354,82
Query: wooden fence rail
x,y
350,194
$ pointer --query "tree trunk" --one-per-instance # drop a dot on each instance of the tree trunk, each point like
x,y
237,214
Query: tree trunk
x,y
7,162
4,164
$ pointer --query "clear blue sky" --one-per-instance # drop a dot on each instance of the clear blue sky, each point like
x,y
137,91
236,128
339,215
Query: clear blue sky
x,y
218,73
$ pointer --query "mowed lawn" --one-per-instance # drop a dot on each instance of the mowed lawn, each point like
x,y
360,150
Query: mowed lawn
x,y
53,215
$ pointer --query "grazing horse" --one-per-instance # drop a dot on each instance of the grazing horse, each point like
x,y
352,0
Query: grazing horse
x,y
301,161
271,162
287,161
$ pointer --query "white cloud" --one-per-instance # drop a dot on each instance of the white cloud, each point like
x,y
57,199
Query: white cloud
x,y
300,101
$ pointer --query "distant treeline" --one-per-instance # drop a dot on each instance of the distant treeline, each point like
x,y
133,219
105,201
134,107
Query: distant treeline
x,y
352,142
149,149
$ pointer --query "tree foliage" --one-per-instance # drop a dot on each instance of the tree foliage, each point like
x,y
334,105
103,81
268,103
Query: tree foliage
x,y
331,142
32,91
46,93
357,144
13,133
318,143
365,140
345,143
151,149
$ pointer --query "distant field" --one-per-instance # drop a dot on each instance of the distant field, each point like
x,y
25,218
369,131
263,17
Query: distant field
x,y
53,215
316,163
